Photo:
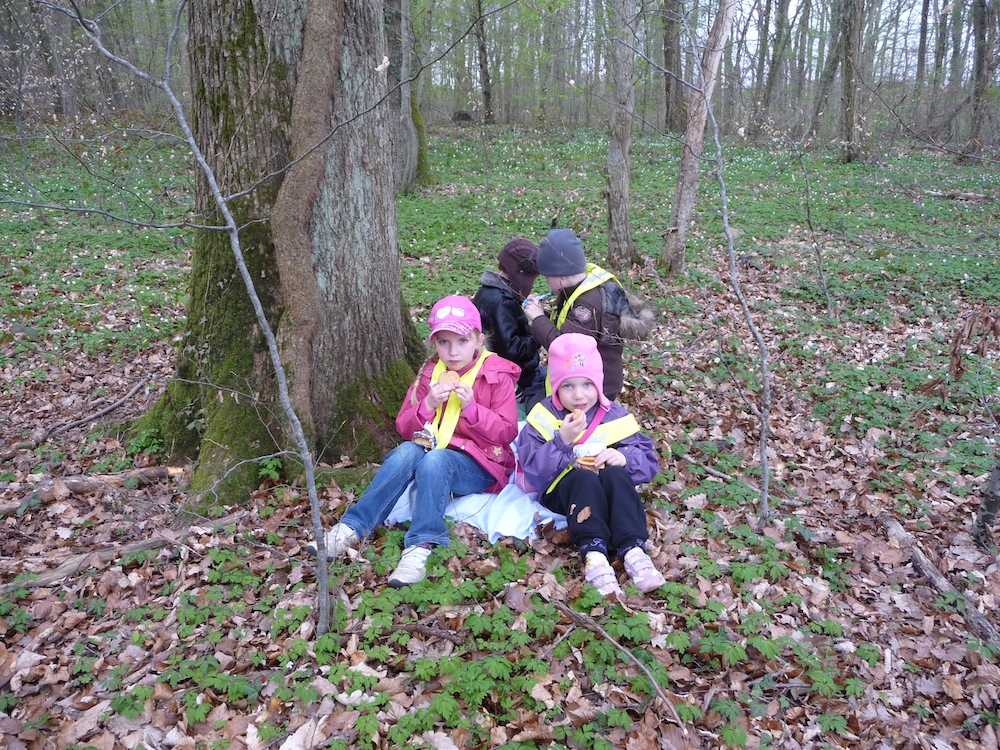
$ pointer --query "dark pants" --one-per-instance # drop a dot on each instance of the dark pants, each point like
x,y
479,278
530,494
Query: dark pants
x,y
603,510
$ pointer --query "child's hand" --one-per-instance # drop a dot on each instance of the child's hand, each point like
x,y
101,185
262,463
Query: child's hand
x,y
610,457
437,395
532,309
572,427
464,394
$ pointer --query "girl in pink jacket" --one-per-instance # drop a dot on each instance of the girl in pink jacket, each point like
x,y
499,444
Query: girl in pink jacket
x,y
458,418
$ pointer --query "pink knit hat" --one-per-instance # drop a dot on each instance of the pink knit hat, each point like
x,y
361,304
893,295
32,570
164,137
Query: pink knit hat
x,y
575,355
456,314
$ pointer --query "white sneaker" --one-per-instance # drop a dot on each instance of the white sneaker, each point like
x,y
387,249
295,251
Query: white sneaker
x,y
338,540
412,567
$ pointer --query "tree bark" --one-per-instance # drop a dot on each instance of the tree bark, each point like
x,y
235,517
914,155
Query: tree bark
x,y
485,82
624,16
764,44
694,136
922,43
673,119
406,142
850,130
319,238
981,76
779,51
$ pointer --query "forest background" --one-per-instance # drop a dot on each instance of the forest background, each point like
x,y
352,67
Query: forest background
x,y
870,275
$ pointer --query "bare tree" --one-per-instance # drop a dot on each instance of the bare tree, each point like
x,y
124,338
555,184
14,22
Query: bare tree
x,y
624,19
694,136
830,67
851,126
406,151
482,54
981,76
670,14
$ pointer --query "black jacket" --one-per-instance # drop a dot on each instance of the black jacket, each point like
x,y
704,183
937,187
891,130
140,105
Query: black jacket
x,y
506,326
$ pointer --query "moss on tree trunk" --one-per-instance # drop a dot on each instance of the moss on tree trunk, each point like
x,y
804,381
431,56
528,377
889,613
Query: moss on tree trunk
x,y
318,238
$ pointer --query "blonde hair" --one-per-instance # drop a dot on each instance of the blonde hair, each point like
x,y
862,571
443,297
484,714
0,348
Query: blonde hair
x,y
432,357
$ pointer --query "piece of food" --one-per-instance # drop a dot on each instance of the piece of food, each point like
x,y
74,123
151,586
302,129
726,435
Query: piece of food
x,y
578,415
449,377
589,463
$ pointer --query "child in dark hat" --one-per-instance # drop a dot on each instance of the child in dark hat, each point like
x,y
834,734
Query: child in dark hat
x,y
499,300
579,304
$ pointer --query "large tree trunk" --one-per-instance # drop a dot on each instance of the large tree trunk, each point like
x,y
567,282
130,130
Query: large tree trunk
x,y
320,244
694,137
624,17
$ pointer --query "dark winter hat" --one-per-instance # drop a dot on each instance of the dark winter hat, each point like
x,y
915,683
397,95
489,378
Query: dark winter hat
x,y
518,259
561,254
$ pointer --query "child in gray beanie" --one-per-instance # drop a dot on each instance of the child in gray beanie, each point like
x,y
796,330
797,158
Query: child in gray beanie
x,y
579,304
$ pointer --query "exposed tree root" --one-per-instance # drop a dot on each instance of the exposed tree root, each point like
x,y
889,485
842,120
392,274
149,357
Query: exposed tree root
x,y
975,619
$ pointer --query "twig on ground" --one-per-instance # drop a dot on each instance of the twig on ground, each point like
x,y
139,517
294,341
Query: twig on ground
x,y
60,487
427,630
76,563
975,619
41,435
591,624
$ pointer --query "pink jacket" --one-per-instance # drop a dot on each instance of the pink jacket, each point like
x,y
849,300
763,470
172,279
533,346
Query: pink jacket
x,y
486,427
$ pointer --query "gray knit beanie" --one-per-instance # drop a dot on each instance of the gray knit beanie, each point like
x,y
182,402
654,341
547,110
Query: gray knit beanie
x,y
561,254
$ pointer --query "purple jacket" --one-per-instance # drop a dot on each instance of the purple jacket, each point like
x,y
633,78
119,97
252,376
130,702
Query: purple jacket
x,y
542,460
485,428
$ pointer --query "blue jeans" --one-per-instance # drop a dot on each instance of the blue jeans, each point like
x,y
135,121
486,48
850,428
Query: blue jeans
x,y
438,474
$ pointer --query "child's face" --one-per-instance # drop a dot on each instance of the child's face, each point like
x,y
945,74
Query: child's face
x,y
578,393
555,283
456,350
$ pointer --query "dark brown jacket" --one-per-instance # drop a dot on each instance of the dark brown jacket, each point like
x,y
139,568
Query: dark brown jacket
x,y
587,316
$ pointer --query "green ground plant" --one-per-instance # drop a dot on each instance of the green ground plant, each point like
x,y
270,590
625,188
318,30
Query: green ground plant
x,y
896,258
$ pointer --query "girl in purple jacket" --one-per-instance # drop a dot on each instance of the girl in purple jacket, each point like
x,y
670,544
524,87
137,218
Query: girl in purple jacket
x,y
596,494
458,418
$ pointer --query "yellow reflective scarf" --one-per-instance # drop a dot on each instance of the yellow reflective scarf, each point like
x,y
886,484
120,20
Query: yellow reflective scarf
x,y
446,417
608,433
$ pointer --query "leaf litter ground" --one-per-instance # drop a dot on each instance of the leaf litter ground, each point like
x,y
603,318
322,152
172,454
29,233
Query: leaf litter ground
x,y
815,633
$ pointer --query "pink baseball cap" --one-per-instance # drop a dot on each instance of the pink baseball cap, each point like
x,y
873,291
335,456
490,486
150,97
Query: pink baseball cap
x,y
457,314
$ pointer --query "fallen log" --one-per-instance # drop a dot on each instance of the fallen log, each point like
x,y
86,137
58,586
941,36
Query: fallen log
x,y
59,488
975,619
